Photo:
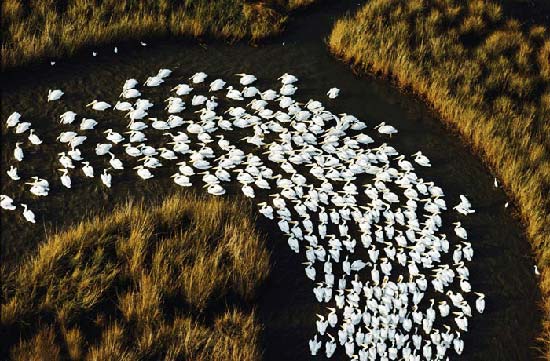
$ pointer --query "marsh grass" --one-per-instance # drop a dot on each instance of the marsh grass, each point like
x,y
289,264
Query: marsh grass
x,y
170,281
34,30
488,77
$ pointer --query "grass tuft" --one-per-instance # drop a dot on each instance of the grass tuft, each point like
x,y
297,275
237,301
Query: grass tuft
x,y
171,281
34,30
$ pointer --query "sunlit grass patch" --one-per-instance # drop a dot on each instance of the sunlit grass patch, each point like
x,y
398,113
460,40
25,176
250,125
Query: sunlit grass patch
x,y
52,29
170,281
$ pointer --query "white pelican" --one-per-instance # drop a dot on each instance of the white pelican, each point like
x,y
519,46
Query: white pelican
x,y
13,119
55,94
6,202
333,93
385,129
18,152
246,79
12,173
65,179
143,173
99,105
68,117
106,178
88,170
28,214
198,77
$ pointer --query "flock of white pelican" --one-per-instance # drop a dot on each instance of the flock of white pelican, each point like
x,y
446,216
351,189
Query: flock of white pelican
x,y
394,284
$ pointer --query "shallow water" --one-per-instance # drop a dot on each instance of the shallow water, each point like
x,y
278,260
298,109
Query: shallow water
x,y
502,266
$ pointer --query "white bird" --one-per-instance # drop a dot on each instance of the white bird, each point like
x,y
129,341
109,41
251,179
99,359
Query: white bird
x,y
12,173
87,124
6,202
13,119
288,78
198,77
480,302
68,117
106,178
143,173
18,152
314,345
460,231
182,89
153,81
246,79
33,138
114,137
55,94
333,93
115,162
99,105
130,84
216,85
385,129
28,214
103,148
88,170
22,127
65,179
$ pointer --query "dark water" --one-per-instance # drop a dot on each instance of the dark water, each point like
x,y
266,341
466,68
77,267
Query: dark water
x,y
502,266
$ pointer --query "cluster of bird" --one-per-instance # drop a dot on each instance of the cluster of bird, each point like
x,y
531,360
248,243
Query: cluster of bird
x,y
394,283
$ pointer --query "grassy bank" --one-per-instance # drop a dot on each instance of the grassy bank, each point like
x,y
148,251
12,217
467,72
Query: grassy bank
x,y
488,77
173,281
36,30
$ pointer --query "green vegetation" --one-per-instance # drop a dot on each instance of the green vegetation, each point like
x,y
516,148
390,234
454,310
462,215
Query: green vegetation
x,y
33,30
171,281
486,75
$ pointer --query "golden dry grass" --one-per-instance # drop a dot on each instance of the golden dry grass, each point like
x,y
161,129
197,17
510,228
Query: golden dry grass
x,y
33,30
488,77
170,281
